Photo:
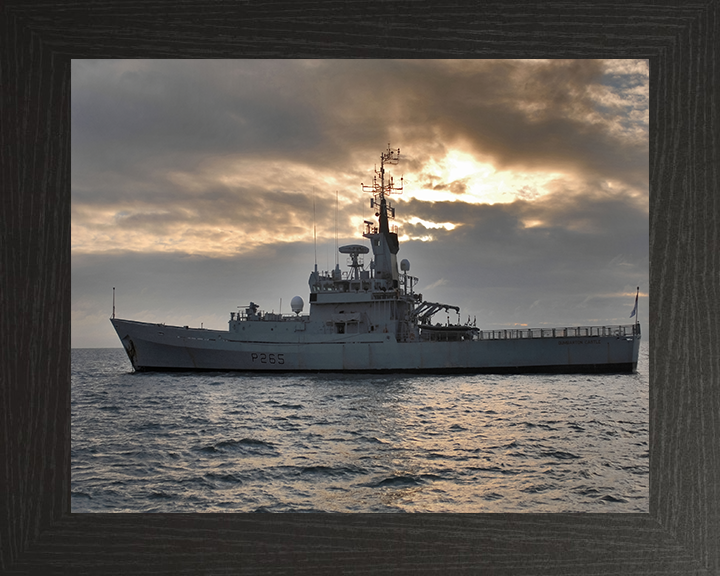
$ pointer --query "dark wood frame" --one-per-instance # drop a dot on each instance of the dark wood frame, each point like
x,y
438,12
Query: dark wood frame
x,y
38,534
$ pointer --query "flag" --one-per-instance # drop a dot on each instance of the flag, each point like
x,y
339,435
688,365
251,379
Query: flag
x,y
634,310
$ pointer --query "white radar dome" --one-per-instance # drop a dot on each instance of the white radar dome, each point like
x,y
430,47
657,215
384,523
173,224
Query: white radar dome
x,y
405,265
296,304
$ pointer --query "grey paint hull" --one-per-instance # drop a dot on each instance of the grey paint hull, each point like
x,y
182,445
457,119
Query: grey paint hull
x,y
156,347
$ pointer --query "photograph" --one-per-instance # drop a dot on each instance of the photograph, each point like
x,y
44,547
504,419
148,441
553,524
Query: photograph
x,y
360,286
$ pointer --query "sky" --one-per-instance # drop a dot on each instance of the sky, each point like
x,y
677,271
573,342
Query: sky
x,y
201,185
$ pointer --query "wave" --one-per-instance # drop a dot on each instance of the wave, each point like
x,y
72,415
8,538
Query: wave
x,y
559,454
247,445
228,478
401,480
331,470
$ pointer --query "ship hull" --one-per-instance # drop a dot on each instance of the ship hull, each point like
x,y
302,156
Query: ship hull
x,y
166,348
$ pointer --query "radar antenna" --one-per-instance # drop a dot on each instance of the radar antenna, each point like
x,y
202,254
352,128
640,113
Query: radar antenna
x,y
355,252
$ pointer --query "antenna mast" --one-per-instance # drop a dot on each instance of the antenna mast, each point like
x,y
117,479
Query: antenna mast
x,y
314,229
381,189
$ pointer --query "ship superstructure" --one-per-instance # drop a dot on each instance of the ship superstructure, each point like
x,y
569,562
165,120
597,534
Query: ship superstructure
x,y
369,319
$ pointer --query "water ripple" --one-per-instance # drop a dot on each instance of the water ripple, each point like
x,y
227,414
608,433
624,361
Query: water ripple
x,y
229,442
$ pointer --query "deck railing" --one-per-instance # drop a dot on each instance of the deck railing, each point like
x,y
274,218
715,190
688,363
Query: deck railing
x,y
569,332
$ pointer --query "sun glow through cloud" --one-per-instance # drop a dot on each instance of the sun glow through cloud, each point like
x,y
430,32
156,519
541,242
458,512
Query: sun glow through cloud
x,y
431,225
459,177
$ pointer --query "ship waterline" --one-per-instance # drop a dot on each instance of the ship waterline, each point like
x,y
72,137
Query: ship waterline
x,y
372,320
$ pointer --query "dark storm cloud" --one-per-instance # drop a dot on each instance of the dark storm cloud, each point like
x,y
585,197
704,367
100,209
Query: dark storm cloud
x,y
181,110
137,123
494,266
253,209
570,225
521,115
162,114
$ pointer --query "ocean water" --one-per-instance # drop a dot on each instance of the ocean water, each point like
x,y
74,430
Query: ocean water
x,y
233,442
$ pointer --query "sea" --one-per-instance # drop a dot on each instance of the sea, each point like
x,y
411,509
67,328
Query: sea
x,y
240,442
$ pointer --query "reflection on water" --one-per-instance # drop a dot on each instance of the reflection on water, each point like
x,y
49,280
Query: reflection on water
x,y
354,443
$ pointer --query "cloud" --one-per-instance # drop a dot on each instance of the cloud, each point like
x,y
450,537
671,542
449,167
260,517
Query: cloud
x,y
130,114
187,171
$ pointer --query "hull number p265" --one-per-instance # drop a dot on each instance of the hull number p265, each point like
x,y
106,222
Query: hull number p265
x,y
264,358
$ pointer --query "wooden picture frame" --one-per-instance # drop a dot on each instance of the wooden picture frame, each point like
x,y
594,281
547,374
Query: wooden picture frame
x,y
38,534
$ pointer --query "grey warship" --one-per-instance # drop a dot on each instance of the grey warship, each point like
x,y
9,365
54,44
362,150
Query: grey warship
x,y
370,319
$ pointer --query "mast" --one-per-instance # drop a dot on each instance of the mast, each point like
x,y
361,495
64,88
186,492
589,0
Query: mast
x,y
314,229
384,241
381,190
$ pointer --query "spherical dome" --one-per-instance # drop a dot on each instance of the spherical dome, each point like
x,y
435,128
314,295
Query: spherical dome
x,y
297,304
405,265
